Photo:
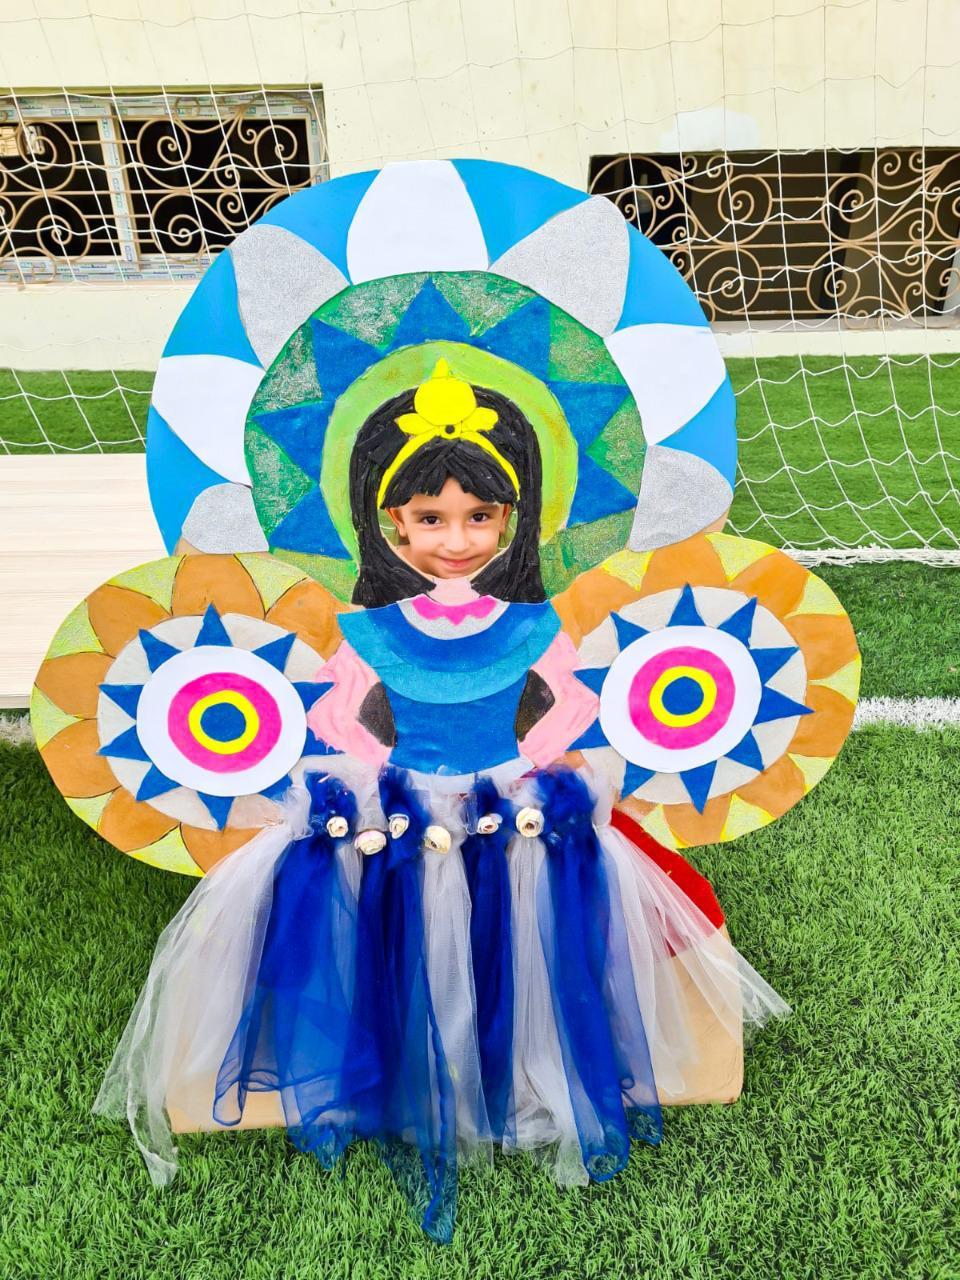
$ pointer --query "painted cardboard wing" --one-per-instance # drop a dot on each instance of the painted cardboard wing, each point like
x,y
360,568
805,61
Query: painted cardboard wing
x,y
727,676
715,684
171,706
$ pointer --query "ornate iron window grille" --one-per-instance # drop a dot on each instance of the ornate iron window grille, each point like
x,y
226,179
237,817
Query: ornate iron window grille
x,y
98,186
867,236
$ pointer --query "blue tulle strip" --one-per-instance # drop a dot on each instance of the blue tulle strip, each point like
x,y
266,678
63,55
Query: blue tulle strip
x,y
339,1017
602,1039
485,863
396,1072
293,1029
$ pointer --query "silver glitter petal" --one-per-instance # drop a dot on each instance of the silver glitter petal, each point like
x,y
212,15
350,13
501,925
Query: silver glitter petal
x,y
680,494
223,519
577,260
281,280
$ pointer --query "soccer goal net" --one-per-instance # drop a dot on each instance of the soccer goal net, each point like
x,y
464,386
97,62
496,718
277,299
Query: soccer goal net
x,y
799,162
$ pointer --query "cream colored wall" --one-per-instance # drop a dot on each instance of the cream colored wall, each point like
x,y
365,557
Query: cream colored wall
x,y
546,83
125,326
542,82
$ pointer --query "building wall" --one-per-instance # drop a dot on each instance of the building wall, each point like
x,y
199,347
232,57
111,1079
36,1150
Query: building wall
x,y
545,83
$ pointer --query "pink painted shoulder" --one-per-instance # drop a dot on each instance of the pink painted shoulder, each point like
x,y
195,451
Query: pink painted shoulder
x,y
574,708
334,716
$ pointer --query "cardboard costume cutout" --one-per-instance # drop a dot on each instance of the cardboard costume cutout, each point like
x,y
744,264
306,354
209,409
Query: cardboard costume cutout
x,y
443,908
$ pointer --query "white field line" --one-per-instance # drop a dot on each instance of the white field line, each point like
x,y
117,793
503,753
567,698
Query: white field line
x,y
913,713
910,713
876,555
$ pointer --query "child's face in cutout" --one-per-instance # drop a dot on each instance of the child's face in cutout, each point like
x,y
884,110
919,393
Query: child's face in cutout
x,y
452,535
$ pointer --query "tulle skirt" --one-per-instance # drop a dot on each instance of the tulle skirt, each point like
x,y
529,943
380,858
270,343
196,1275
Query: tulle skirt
x,y
542,990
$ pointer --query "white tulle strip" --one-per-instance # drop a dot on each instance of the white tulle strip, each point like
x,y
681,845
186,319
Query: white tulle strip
x,y
696,992
541,1119
446,923
202,973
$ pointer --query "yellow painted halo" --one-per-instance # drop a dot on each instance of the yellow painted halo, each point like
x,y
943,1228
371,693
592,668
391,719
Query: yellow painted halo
x,y
409,367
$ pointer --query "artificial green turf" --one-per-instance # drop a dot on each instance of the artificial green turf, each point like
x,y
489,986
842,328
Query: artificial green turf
x,y
907,620
70,411
874,447
860,452
840,1160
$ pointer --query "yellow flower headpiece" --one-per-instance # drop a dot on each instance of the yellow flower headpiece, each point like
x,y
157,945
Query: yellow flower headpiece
x,y
445,408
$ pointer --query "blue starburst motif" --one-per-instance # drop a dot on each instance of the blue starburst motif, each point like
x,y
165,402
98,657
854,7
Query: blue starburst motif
x,y
683,696
220,722
522,337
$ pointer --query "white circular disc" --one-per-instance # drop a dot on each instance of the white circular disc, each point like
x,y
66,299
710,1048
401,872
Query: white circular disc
x,y
172,675
615,718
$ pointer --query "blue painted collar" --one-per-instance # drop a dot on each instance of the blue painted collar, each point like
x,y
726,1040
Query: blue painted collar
x,y
431,669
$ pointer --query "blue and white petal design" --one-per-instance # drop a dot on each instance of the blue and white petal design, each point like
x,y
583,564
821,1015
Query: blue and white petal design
x,y
201,399
439,215
281,280
590,286
673,370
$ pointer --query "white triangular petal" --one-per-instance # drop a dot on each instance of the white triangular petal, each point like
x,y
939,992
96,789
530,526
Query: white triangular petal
x,y
204,400
223,519
415,216
672,370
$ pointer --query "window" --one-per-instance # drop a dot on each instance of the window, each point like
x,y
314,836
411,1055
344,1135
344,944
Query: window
x,y
152,185
801,235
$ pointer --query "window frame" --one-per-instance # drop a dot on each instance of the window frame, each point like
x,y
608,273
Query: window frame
x,y
874,212
108,109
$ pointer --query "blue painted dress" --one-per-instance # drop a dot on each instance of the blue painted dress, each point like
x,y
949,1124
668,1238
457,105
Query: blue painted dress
x,y
454,700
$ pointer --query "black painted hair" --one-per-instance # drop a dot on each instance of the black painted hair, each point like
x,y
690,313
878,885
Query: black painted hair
x,y
514,574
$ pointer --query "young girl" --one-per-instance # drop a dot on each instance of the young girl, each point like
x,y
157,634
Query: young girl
x,y
447,947
458,664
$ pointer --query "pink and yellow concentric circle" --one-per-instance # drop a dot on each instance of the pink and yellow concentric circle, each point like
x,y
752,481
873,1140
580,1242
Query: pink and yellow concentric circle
x,y
665,671
215,691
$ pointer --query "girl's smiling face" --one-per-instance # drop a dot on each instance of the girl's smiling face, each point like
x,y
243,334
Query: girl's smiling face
x,y
452,535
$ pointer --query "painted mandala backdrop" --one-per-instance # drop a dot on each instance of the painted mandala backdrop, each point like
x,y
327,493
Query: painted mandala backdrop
x,y
375,340
360,284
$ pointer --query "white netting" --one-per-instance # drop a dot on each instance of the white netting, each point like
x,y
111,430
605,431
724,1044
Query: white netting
x,y
830,271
